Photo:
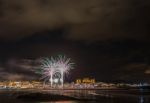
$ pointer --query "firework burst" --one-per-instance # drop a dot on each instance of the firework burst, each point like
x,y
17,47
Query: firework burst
x,y
54,68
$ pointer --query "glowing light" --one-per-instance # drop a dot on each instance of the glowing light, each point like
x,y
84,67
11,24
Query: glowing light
x,y
55,69
56,80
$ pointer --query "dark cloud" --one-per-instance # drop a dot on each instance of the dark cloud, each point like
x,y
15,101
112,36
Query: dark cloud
x,y
105,61
147,71
19,69
108,40
116,20
83,19
23,18
14,76
132,71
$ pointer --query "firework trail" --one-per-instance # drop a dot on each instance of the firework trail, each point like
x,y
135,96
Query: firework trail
x,y
55,67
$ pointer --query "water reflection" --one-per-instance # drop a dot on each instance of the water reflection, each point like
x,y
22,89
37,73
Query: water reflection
x,y
72,102
141,99
102,96
60,102
94,96
82,94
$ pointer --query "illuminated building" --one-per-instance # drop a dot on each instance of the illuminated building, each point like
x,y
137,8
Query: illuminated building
x,y
86,81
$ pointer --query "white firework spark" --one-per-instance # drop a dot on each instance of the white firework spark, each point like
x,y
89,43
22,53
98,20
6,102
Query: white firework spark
x,y
58,67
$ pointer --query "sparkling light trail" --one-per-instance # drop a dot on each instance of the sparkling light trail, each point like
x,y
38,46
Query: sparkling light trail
x,y
55,69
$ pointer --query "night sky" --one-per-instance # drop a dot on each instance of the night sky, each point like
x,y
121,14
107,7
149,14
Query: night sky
x,y
106,39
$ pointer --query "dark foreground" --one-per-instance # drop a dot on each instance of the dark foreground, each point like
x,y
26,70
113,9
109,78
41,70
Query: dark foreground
x,y
74,96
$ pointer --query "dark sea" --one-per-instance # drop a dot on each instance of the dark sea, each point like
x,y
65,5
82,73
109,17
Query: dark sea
x,y
81,96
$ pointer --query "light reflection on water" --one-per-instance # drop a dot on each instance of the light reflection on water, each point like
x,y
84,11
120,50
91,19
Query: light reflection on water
x,y
69,102
141,99
105,96
60,102
95,96
81,94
